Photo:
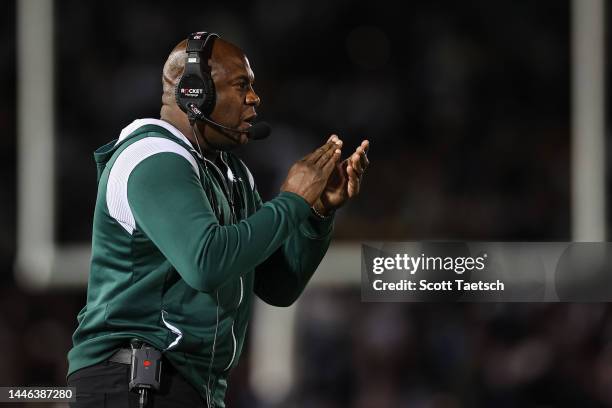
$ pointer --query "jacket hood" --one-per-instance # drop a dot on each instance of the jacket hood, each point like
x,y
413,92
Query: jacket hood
x,y
103,154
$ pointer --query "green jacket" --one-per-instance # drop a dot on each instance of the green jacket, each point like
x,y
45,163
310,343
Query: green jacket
x,y
173,265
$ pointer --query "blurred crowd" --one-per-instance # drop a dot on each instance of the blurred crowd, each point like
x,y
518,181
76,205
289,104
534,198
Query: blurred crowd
x,y
466,105
452,355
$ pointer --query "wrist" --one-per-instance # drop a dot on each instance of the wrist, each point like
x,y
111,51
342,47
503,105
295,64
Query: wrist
x,y
321,211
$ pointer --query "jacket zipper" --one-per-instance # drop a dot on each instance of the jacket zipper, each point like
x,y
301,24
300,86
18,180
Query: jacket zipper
x,y
209,389
235,343
230,198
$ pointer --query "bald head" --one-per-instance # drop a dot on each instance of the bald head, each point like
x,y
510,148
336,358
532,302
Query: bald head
x,y
223,54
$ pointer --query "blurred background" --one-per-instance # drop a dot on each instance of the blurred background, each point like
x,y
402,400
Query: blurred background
x,y
485,118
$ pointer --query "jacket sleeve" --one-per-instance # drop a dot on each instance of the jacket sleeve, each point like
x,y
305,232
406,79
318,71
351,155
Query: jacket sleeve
x,y
171,208
282,277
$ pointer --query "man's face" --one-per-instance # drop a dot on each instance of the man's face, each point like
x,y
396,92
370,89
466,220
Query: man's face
x,y
236,100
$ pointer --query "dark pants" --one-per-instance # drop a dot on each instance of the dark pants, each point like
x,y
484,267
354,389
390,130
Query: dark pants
x,y
107,385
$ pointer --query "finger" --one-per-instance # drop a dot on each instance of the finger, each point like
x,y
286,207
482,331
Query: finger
x,y
363,159
332,137
366,145
352,173
353,182
325,157
363,155
356,162
314,156
328,166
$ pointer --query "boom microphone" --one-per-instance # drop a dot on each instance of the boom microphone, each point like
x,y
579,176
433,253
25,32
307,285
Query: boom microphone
x,y
258,131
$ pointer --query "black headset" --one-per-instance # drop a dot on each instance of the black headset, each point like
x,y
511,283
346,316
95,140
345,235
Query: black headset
x,y
195,91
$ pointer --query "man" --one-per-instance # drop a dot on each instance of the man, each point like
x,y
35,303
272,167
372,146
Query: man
x,y
182,241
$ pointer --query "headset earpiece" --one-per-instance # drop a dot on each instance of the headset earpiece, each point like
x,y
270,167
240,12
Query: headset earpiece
x,y
195,91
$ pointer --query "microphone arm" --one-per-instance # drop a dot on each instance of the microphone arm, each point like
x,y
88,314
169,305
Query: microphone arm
x,y
258,131
217,124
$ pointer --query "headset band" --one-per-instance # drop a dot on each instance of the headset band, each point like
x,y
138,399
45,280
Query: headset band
x,y
199,47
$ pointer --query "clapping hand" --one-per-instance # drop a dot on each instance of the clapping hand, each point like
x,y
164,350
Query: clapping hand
x,y
344,182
